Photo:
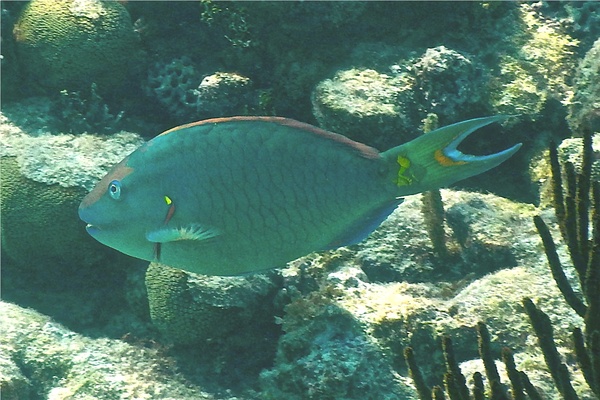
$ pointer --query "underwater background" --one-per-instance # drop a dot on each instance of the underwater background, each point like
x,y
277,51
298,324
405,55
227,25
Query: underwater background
x,y
451,281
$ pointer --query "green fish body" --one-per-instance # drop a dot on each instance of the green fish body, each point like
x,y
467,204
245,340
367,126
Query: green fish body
x,y
236,195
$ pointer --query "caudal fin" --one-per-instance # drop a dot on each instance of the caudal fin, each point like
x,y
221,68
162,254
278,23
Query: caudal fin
x,y
433,160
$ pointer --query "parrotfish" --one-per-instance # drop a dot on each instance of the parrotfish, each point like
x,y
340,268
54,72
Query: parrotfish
x,y
229,196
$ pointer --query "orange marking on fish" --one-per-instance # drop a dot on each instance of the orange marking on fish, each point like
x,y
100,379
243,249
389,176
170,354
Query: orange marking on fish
x,y
446,161
118,172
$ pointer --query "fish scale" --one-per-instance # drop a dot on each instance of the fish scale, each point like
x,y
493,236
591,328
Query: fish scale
x,y
235,195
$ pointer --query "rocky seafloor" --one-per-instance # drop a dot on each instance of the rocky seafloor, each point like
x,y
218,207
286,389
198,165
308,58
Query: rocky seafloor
x,y
81,321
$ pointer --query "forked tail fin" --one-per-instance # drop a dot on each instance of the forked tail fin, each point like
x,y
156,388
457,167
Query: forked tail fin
x,y
433,160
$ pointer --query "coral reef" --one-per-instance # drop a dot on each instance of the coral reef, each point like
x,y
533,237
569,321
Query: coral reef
x,y
377,72
573,207
44,177
11,77
585,107
173,84
178,87
455,383
569,150
574,202
189,308
81,113
536,70
67,44
450,84
479,228
66,160
326,356
581,18
383,109
39,221
223,327
42,359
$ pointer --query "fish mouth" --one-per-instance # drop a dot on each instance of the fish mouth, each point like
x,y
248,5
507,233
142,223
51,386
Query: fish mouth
x,y
93,229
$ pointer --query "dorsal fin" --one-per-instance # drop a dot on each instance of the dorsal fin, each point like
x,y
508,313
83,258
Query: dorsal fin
x,y
364,150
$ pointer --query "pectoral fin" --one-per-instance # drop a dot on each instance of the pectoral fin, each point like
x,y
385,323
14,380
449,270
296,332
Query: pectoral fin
x,y
192,231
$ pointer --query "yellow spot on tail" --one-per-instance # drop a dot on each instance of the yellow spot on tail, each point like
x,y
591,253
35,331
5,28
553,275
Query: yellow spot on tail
x,y
446,161
168,200
405,177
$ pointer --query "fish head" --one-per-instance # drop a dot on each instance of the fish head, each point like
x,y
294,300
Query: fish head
x,y
118,214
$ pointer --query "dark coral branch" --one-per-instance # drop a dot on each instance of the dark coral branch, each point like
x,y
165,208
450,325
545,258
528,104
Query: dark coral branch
x,y
433,214
594,346
583,357
438,393
485,352
583,195
452,387
592,293
557,189
556,267
513,375
456,382
544,332
423,390
531,391
571,224
478,388
498,392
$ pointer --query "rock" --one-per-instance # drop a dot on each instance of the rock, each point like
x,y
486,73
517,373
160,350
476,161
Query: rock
x,y
479,231
584,110
367,106
68,44
536,69
325,355
498,263
44,177
223,94
385,110
43,359
450,84
223,328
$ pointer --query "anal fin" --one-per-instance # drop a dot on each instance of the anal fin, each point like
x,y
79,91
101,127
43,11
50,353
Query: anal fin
x,y
364,226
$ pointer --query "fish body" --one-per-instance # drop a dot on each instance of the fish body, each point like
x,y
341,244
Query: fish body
x,y
236,195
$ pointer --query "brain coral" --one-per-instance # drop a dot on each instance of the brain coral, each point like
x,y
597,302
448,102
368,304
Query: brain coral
x,y
39,221
189,308
67,44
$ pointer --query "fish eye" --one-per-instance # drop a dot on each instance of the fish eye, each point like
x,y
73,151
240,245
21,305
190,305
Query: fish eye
x,y
114,189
